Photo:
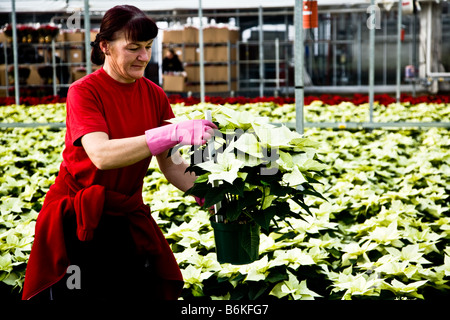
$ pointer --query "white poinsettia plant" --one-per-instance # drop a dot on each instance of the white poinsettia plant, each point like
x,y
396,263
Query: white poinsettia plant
x,y
254,168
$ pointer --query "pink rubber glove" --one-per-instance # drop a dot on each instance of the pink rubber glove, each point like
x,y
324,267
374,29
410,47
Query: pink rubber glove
x,y
189,132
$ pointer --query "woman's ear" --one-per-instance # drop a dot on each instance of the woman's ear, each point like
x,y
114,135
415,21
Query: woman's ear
x,y
104,46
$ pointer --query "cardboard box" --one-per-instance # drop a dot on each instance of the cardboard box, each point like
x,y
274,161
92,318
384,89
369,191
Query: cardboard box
x,y
209,54
60,37
3,37
76,36
3,76
233,35
223,87
209,73
80,72
34,77
190,35
213,73
93,35
172,36
216,73
220,35
219,54
192,87
216,87
193,73
209,34
174,83
60,53
191,54
75,55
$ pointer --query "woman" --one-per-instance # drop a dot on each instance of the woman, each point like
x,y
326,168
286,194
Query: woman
x,y
171,62
93,217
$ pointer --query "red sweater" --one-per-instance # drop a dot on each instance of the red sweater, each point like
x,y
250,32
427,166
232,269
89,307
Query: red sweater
x,y
48,260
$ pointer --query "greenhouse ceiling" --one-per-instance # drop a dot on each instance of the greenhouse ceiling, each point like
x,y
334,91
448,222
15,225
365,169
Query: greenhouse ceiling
x,y
27,6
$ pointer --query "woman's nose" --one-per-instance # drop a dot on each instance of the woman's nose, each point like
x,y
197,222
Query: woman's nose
x,y
144,54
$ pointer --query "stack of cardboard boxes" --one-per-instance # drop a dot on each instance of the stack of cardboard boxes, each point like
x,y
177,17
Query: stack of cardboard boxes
x,y
219,58
73,51
69,47
6,70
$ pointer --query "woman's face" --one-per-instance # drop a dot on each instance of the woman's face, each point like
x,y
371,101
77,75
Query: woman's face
x,y
125,61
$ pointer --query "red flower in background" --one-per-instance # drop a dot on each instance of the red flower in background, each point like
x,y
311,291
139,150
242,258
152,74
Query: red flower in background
x,y
357,99
32,101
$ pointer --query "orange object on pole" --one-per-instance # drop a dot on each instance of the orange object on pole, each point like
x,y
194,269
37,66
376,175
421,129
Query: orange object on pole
x,y
310,14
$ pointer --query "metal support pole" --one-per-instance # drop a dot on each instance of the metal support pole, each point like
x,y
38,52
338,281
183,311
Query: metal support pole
x,y
5,54
229,65
15,51
414,50
399,49
87,37
261,53
277,65
286,56
385,51
334,46
371,64
433,41
54,67
359,62
299,61
202,58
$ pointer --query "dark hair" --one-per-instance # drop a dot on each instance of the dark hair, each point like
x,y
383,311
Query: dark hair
x,y
135,23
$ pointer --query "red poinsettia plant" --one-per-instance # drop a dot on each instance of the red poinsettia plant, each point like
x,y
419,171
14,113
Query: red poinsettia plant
x,y
31,33
25,32
356,99
327,99
48,30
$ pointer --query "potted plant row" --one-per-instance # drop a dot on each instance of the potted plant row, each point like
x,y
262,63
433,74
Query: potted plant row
x,y
249,174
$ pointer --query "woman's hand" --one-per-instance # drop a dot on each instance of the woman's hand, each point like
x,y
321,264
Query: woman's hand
x,y
189,132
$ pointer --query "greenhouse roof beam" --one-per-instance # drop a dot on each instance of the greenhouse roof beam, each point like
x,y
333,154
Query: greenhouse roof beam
x,y
162,5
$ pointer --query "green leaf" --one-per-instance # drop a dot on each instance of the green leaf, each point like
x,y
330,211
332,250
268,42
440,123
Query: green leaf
x,y
250,199
235,188
294,178
295,289
198,189
11,204
257,290
213,196
252,241
311,191
248,144
285,161
264,217
298,198
232,211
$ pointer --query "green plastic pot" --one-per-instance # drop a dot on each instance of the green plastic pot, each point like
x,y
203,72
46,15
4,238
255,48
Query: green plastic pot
x,y
236,243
